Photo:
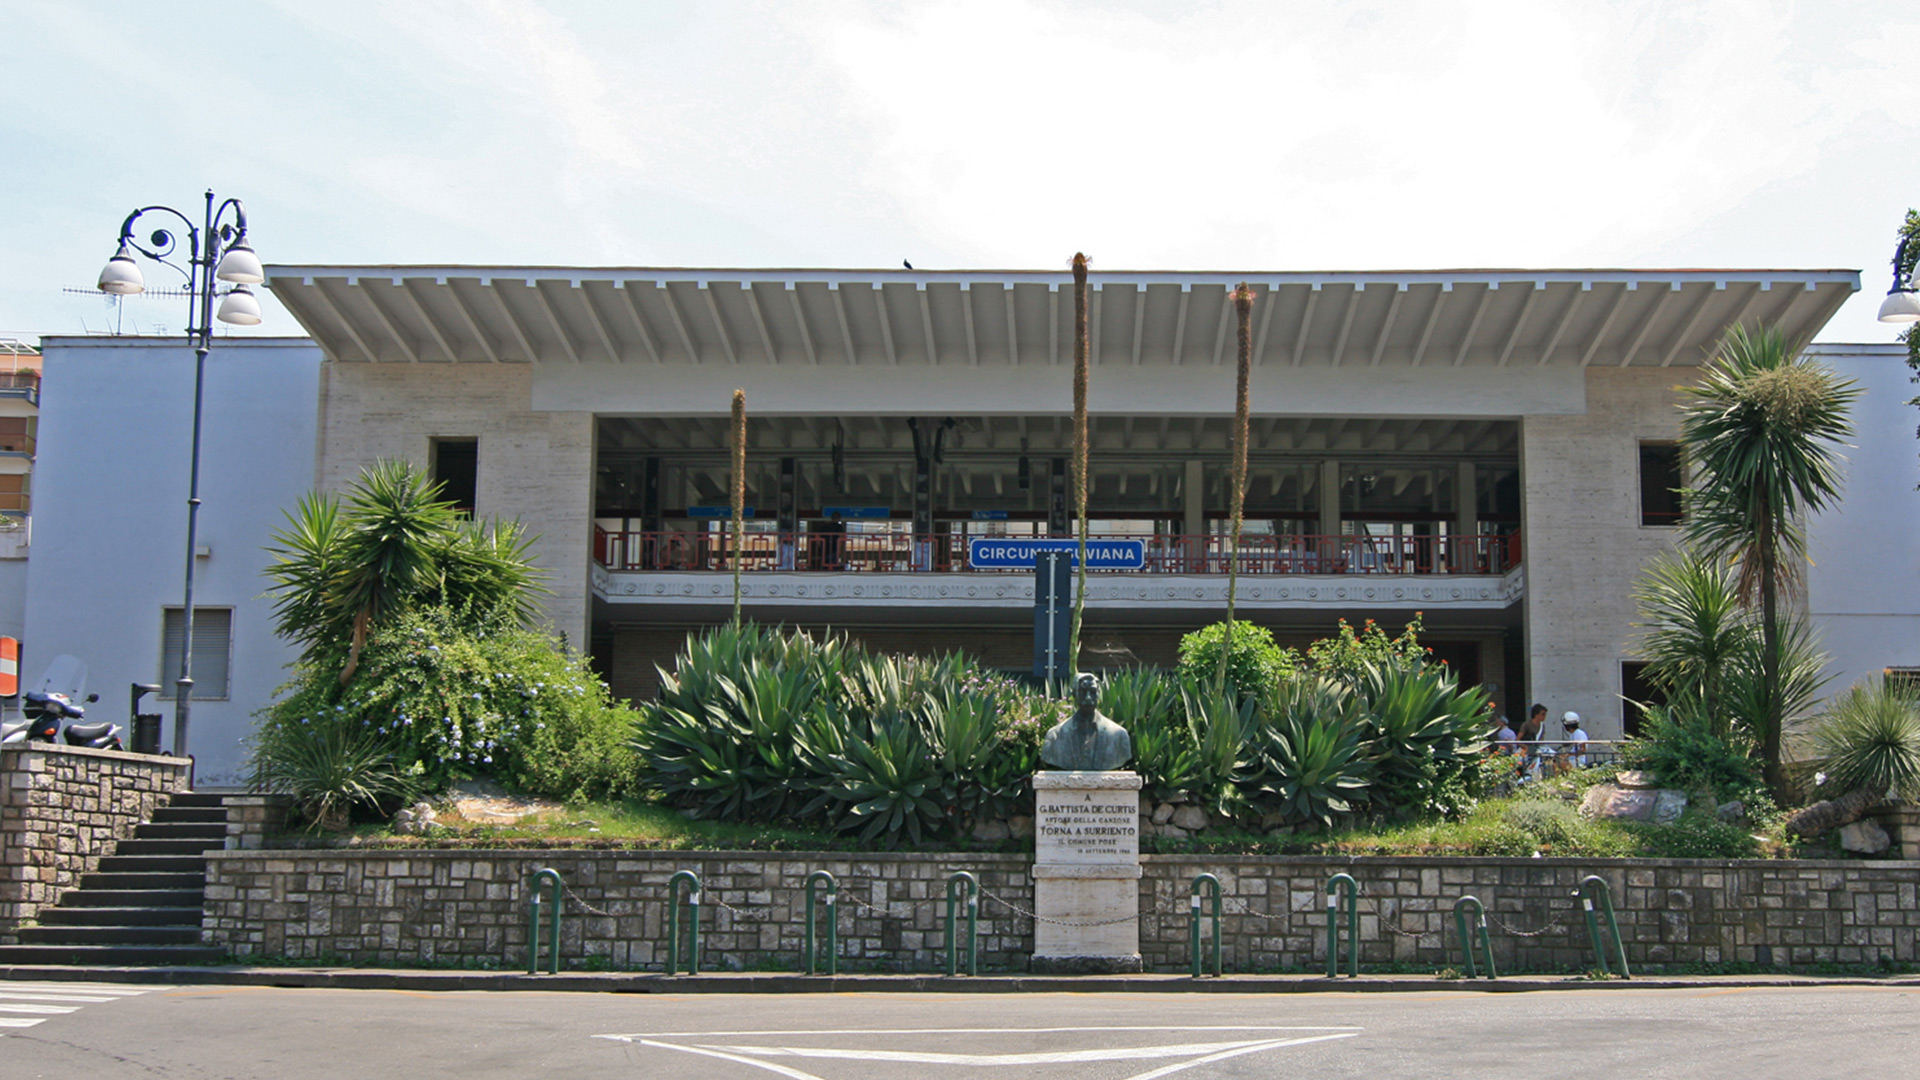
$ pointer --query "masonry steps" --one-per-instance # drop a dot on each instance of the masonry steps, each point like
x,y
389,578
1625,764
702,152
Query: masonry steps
x,y
142,906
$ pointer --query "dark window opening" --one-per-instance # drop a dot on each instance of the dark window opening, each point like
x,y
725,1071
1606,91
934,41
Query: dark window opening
x,y
1637,692
1903,678
212,652
1660,483
456,468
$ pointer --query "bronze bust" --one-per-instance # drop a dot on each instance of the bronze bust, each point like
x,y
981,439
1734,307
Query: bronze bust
x,y
1086,741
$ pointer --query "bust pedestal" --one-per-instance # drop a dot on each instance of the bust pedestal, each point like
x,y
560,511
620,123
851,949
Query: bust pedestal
x,y
1086,870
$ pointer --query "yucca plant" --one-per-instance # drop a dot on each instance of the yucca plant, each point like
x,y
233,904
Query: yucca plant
x,y
1762,431
329,767
1868,744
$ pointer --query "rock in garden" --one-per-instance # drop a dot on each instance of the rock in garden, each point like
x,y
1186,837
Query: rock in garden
x,y
1020,825
1864,838
416,820
1163,813
1610,801
1190,818
1668,805
991,830
1635,779
1734,812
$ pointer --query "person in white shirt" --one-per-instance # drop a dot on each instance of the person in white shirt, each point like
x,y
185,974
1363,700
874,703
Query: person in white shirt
x,y
1577,737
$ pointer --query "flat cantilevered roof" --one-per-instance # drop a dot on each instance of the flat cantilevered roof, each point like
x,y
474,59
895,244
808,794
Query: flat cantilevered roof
x,y
1498,318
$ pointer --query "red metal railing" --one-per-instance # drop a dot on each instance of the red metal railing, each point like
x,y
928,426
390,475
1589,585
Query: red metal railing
x,y
947,553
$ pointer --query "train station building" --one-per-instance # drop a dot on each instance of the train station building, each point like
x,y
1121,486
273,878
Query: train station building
x,y
1491,449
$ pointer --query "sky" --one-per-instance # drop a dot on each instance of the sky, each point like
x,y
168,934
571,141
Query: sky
x,y
1272,136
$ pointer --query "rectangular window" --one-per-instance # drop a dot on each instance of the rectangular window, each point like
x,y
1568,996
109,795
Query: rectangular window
x,y
1660,483
455,466
212,652
1636,691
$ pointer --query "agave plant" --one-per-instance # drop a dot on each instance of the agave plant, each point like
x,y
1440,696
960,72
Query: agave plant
x,y
1421,734
1149,705
1221,724
886,783
1309,763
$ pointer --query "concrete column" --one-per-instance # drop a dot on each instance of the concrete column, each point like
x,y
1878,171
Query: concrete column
x,y
1330,498
1194,497
1465,553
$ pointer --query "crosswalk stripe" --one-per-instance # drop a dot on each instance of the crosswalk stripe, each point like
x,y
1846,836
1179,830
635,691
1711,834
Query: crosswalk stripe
x,y
78,988
21,1021
49,1010
86,999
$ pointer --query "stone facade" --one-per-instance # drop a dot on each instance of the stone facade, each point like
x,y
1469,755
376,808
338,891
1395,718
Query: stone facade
x,y
471,906
1585,543
61,809
455,907
536,467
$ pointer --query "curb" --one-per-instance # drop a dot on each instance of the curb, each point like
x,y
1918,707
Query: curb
x,y
776,983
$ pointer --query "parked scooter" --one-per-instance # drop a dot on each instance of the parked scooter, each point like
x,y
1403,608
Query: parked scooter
x,y
57,699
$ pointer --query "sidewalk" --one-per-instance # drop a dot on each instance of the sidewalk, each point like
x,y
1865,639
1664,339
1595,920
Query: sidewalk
x,y
781,983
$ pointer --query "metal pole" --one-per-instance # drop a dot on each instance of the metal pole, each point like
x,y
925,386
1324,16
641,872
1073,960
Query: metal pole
x,y
200,289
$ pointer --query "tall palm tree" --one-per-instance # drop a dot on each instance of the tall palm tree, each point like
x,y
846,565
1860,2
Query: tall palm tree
x,y
739,493
1242,298
1081,360
1760,432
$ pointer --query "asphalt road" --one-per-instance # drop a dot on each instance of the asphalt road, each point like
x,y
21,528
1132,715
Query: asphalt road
x,y
109,1031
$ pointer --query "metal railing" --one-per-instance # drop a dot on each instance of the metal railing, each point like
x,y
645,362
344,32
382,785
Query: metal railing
x,y
1532,759
901,553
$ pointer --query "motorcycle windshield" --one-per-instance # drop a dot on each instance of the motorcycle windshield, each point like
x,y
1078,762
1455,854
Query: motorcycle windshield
x,y
65,674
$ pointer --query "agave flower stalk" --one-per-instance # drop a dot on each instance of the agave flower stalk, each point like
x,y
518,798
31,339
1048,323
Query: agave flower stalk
x,y
1242,298
739,492
1081,359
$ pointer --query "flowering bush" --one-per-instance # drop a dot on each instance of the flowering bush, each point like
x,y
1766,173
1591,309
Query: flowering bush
x,y
451,697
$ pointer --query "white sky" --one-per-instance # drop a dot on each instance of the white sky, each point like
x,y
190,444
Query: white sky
x,y
1264,136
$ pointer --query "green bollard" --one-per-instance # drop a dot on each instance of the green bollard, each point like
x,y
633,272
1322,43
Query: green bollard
x,y
962,881
1193,907
550,879
692,881
833,922
1479,927
1335,884
1585,893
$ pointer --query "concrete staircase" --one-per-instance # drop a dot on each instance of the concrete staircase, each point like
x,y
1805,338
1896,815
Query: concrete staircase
x,y
142,907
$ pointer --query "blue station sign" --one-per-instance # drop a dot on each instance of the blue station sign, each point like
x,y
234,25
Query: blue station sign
x,y
1013,553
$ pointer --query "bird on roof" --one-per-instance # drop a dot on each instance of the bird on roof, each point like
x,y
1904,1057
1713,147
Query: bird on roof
x,y
906,264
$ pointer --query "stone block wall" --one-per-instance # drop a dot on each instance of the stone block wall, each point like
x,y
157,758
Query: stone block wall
x,y
456,907
61,809
1670,911
450,906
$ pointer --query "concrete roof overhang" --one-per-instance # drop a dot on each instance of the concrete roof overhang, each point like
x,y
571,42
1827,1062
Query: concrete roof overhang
x,y
1482,318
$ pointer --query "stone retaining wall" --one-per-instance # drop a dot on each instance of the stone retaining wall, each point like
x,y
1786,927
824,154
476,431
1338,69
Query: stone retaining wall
x,y
61,809
470,906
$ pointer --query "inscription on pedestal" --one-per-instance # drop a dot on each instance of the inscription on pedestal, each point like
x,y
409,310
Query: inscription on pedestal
x,y
1086,826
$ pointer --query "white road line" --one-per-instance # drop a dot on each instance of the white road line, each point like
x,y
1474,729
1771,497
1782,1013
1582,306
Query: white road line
x,y
20,1021
975,1031
1042,1057
782,1070
79,988
1225,1054
45,1010
86,999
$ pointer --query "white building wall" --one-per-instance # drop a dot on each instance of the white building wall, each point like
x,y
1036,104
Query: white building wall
x,y
1863,588
110,491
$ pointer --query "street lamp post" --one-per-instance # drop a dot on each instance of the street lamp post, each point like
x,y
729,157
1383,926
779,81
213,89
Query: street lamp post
x,y
1902,304
217,250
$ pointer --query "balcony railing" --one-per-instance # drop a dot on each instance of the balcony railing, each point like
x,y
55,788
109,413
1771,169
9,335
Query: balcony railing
x,y
947,553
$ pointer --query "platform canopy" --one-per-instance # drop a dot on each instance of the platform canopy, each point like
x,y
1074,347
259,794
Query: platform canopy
x,y
1496,318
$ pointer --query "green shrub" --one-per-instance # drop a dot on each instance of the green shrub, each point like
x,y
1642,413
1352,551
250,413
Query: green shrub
x,y
455,696
1255,665
1869,738
1696,835
1683,752
331,765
